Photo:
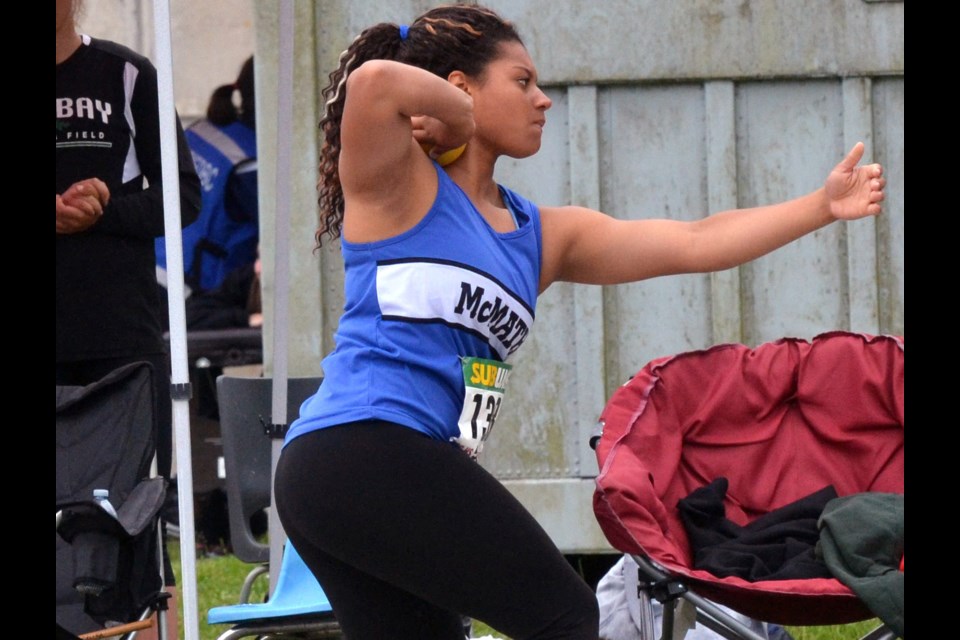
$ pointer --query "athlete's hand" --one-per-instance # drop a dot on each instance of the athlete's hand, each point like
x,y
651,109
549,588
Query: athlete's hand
x,y
855,192
436,136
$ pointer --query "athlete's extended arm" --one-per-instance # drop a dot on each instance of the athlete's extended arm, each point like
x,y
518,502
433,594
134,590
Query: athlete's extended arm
x,y
582,245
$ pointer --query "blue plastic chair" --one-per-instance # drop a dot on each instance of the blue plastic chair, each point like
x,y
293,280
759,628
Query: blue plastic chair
x,y
297,605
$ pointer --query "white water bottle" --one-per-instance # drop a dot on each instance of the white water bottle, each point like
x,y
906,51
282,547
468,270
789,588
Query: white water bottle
x,y
102,498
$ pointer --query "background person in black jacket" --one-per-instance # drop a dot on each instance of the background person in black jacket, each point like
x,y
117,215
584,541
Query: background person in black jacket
x,y
109,211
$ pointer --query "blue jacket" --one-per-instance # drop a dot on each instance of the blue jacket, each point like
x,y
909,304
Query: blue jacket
x,y
225,235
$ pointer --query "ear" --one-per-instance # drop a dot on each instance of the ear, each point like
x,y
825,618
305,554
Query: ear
x,y
459,80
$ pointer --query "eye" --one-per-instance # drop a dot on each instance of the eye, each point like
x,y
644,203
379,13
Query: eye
x,y
524,82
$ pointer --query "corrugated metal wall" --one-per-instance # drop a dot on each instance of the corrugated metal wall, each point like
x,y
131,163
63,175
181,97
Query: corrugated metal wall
x,y
662,110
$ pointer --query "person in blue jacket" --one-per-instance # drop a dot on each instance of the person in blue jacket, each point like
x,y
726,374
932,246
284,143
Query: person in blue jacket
x,y
377,485
224,147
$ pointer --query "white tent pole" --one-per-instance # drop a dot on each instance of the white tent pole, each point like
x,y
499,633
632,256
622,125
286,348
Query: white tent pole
x,y
180,379
281,266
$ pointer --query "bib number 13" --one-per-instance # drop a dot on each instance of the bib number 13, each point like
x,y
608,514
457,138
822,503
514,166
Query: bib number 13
x,y
484,384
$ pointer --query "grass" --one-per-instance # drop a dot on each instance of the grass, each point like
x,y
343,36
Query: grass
x,y
219,579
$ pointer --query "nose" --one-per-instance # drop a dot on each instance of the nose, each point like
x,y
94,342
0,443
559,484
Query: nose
x,y
543,100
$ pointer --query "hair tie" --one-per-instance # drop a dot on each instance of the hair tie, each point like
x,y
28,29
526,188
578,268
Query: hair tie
x,y
404,30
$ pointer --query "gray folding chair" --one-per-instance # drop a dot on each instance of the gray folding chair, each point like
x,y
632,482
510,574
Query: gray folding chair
x,y
245,407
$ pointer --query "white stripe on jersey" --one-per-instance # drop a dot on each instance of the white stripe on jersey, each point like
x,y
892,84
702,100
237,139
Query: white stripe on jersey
x,y
458,296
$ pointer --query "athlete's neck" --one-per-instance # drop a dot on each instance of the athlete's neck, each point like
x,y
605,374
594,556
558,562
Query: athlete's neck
x,y
475,179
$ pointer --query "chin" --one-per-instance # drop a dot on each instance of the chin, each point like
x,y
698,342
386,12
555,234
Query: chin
x,y
520,154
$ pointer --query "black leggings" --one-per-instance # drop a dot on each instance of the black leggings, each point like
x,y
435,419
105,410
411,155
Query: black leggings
x,y
405,534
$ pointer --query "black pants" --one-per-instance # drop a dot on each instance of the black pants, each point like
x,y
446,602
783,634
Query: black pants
x,y
405,534
89,371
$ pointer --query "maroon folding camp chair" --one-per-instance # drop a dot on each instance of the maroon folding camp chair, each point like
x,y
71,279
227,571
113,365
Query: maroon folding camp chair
x,y
778,422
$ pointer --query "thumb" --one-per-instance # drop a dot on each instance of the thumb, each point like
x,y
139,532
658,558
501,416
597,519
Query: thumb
x,y
852,158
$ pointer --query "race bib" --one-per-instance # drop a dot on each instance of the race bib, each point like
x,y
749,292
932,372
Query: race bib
x,y
484,385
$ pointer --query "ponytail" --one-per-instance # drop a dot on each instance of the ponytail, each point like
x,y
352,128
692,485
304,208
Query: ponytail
x,y
221,111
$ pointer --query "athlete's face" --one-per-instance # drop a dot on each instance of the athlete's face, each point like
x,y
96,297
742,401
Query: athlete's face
x,y
508,106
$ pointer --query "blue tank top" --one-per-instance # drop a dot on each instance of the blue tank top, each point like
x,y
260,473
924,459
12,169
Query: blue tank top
x,y
418,304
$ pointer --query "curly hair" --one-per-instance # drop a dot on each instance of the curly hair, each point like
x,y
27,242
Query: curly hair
x,y
464,37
